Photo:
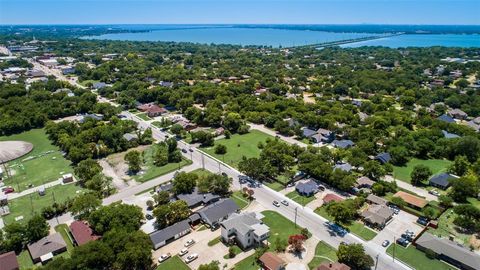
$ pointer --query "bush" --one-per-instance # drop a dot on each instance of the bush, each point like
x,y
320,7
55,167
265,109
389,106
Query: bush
x,y
231,252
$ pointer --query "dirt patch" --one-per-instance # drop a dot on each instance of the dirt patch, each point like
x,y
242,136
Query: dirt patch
x,y
474,242
118,164
308,97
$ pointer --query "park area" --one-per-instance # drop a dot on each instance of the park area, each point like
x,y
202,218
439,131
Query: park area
x,y
416,258
23,208
436,166
239,146
45,163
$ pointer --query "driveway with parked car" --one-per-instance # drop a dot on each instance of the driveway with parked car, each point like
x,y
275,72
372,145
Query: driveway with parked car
x,y
399,224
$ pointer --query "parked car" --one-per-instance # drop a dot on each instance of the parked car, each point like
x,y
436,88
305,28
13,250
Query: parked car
x,y
284,202
189,243
190,149
275,203
148,216
224,174
164,257
184,150
291,184
385,243
403,242
422,221
183,252
190,258
434,192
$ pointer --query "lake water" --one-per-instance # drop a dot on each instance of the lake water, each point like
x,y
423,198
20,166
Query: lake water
x,y
288,38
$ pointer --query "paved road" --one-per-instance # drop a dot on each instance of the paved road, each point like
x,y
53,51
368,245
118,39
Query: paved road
x,y
409,187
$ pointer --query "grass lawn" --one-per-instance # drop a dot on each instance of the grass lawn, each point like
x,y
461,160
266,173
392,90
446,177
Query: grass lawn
x,y
239,146
474,202
323,253
26,205
85,82
356,227
275,186
202,172
64,231
303,200
446,228
214,241
238,198
279,226
248,263
436,165
173,263
151,171
143,116
45,168
24,260
236,251
416,259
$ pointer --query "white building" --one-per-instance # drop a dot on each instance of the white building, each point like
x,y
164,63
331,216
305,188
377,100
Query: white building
x,y
246,229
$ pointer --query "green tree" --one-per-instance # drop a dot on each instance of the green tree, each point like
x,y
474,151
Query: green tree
x,y
398,202
220,149
168,214
341,212
84,204
459,166
464,187
399,155
134,160
177,129
354,256
160,155
162,197
86,170
36,228
420,174
116,216
184,182
214,265
373,170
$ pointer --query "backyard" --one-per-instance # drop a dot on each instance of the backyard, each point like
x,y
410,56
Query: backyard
x,y
26,205
436,165
446,228
239,146
323,253
175,263
47,166
416,259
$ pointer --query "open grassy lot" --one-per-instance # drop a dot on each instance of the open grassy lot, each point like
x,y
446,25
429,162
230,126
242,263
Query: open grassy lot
x,y
64,231
303,200
143,116
151,171
323,253
27,205
355,227
202,172
174,263
48,165
239,199
239,146
436,165
279,226
446,228
416,259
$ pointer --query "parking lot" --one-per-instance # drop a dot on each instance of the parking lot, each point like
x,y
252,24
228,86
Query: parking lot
x,y
397,226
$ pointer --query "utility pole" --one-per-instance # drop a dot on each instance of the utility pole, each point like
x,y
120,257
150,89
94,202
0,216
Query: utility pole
x,y
376,260
394,245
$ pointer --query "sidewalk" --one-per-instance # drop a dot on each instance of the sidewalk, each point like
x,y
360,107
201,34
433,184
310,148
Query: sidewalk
x,y
15,195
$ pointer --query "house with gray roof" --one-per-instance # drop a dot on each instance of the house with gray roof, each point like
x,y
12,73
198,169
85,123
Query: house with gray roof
x,y
446,118
197,198
346,167
215,213
307,133
449,135
449,251
44,249
377,215
246,230
384,157
171,233
307,188
343,144
441,180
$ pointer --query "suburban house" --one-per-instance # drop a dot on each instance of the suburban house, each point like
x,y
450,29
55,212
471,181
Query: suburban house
x,y
244,229
44,249
475,124
270,261
457,114
215,213
8,261
326,135
441,180
99,85
97,117
446,118
364,182
151,109
330,197
412,200
308,133
196,198
449,251
343,144
307,188
130,137
374,199
82,233
333,266
383,157
377,215
346,167
449,135
171,233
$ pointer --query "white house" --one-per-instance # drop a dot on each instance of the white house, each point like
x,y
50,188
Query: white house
x,y
246,229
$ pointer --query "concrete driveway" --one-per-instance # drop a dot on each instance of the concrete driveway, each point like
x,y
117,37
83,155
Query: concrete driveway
x,y
397,226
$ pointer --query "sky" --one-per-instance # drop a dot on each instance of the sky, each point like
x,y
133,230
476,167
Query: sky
x,y
240,11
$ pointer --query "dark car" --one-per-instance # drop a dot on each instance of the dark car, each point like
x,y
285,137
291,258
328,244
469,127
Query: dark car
x,y
403,242
8,190
148,216
184,150
422,221
224,174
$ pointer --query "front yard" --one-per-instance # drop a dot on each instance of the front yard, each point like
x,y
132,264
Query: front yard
x,y
416,258
302,200
174,263
323,253
436,165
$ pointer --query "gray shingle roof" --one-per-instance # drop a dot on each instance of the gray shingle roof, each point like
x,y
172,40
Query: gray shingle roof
x,y
217,211
242,223
307,187
442,179
384,157
343,143
50,243
196,197
169,232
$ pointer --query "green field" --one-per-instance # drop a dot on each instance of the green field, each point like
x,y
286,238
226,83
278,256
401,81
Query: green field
x,y
323,253
248,263
28,204
275,186
303,200
355,227
151,171
175,263
64,231
47,167
24,260
446,228
416,259
436,165
143,116
239,146
238,198
279,226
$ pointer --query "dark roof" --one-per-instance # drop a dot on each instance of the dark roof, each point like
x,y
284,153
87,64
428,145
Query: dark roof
x,y
48,244
449,135
82,233
8,261
165,187
384,157
446,118
99,85
308,132
194,218
195,198
162,235
307,187
343,143
217,211
376,200
449,249
442,179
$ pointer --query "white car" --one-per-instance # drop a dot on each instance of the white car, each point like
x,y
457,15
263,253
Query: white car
x,y
164,257
275,203
191,257
284,202
183,252
434,192
189,243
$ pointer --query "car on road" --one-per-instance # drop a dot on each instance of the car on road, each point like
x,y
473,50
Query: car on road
x,y
190,258
385,243
275,203
224,174
184,150
434,192
189,243
148,217
183,252
190,149
284,202
164,257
